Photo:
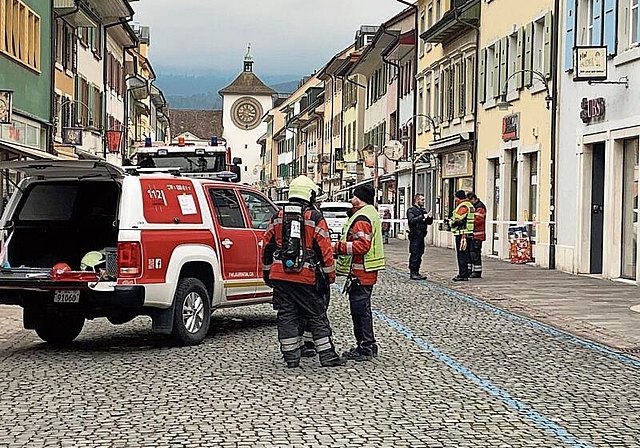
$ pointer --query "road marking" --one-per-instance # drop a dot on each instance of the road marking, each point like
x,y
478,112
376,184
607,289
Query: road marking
x,y
560,334
539,419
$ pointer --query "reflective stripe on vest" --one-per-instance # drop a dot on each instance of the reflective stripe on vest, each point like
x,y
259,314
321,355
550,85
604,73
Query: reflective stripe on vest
x,y
468,230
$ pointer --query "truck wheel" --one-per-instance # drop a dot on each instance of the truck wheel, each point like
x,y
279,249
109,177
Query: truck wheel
x,y
192,312
59,329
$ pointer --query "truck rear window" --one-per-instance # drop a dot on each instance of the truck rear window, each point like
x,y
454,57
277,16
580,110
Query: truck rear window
x,y
49,202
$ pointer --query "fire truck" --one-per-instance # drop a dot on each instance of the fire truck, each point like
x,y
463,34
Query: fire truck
x,y
212,161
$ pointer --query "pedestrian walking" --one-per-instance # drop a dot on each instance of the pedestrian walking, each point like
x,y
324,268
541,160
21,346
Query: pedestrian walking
x,y
296,240
461,223
386,226
419,219
360,257
479,234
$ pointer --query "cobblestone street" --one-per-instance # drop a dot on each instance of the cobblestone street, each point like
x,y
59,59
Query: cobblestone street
x,y
452,372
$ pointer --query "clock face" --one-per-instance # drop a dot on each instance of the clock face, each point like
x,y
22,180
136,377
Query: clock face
x,y
246,113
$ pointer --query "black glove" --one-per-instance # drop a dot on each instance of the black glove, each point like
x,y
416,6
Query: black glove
x,y
265,277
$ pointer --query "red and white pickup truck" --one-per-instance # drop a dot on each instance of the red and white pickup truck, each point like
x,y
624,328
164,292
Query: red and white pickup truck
x,y
174,248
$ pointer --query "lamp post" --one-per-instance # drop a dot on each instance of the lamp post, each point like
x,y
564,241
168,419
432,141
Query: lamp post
x,y
504,104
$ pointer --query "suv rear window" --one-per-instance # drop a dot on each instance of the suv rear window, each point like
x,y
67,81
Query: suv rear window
x,y
49,202
334,212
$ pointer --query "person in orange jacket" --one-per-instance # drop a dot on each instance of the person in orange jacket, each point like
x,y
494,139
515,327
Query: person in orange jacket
x,y
297,241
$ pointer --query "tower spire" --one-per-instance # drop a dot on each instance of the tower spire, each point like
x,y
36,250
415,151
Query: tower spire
x,y
248,60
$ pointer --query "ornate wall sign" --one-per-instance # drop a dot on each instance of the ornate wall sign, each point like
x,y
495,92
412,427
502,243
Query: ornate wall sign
x,y
511,127
6,97
591,109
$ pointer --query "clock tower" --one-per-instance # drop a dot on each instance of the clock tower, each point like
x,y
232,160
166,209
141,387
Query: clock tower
x,y
244,103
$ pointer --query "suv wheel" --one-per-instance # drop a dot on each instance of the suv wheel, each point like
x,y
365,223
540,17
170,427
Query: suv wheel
x,y
59,329
192,312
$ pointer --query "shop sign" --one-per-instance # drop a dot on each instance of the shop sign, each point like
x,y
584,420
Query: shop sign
x,y
456,164
22,132
511,127
590,109
590,63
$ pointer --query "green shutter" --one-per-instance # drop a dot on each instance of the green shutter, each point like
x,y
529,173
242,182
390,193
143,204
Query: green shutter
x,y
548,31
519,58
504,69
528,54
482,84
496,70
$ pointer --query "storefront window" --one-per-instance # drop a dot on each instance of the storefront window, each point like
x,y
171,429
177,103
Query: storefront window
x,y
630,209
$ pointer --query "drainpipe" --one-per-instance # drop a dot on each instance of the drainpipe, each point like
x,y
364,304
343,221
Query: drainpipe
x,y
555,24
51,128
415,96
474,149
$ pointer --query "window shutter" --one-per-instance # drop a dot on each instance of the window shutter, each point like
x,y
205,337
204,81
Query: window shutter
x,y
503,65
496,69
610,23
482,84
596,37
570,34
528,54
519,55
548,31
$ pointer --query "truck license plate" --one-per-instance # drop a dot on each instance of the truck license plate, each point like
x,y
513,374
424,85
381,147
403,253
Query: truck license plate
x,y
66,296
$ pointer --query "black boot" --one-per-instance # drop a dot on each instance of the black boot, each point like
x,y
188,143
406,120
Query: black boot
x,y
329,358
416,276
308,350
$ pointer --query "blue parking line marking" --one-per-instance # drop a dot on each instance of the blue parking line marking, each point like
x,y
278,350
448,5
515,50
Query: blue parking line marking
x,y
532,323
539,419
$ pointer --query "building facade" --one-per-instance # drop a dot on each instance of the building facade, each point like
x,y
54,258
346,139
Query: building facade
x,y
599,130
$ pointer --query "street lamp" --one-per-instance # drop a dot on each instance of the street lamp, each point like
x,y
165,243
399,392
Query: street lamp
x,y
504,104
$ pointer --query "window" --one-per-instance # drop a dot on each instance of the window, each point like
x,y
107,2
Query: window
x,y
492,73
538,52
436,94
20,33
427,99
260,211
438,10
227,208
49,202
512,65
420,109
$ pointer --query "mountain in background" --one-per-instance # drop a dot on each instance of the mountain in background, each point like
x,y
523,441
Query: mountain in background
x,y
188,91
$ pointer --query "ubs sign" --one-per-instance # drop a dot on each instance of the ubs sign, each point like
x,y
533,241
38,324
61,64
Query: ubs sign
x,y
591,109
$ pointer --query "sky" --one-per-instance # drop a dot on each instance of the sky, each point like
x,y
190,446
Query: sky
x,y
286,36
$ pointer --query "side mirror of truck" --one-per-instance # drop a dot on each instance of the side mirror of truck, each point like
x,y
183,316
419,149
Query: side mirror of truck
x,y
237,161
235,169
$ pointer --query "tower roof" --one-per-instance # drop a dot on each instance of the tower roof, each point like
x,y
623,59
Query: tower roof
x,y
247,83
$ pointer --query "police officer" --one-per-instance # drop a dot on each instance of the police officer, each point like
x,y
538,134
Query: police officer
x,y
296,240
360,257
461,223
418,219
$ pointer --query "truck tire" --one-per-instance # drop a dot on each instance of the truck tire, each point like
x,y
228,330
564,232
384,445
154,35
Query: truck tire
x,y
59,329
192,312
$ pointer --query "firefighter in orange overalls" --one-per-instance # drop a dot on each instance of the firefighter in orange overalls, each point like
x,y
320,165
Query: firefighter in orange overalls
x,y
296,244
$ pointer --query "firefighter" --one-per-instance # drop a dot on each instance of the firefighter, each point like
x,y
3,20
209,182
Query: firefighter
x,y
360,257
461,223
296,241
479,234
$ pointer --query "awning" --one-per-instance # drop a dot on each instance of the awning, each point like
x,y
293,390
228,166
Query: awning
x,y
452,143
27,152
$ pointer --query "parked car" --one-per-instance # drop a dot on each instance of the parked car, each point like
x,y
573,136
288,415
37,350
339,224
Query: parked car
x,y
85,239
335,213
